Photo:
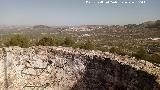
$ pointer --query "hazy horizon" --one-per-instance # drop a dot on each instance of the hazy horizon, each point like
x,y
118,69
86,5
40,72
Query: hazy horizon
x,y
76,12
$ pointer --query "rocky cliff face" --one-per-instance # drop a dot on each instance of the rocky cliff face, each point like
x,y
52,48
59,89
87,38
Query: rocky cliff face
x,y
59,68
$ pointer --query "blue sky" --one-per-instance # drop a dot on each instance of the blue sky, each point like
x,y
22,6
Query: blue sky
x,y
76,12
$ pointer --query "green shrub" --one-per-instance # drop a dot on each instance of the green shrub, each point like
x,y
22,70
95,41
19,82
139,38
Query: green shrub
x,y
155,58
117,51
113,50
142,54
18,40
88,45
58,42
76,45
103,49
1,44
69,41
46,41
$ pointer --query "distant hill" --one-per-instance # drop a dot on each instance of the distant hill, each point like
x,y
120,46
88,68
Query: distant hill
x,y
41,27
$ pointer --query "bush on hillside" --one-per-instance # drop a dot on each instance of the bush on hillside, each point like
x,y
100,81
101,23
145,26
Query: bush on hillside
x,y
117,51
88,45
46,41
69,42
155,58
18,40
142,54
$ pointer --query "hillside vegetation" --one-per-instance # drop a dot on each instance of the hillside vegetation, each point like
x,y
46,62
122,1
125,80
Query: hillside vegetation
x,y
141,41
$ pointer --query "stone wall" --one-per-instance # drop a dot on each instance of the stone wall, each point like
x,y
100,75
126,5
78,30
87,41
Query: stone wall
x,y
61,68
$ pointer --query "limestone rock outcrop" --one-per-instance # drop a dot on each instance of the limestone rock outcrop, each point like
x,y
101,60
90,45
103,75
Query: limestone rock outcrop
x,y
61,68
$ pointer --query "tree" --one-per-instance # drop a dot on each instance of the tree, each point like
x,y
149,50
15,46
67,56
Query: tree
x,y
18,40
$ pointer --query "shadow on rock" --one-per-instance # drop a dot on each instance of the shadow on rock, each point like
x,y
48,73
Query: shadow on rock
x,y
111,75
